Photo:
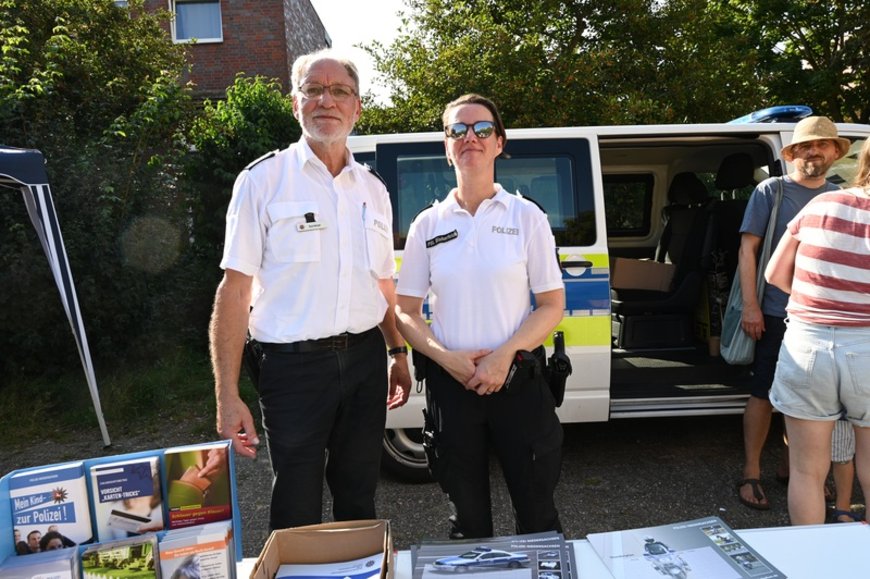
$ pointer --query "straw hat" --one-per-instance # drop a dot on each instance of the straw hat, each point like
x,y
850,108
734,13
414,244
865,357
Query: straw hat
x,y
814,129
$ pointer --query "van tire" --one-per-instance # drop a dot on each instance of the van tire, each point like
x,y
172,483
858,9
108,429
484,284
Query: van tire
x,y
403,455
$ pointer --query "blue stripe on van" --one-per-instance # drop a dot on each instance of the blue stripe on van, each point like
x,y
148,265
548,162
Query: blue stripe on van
x,y
587,294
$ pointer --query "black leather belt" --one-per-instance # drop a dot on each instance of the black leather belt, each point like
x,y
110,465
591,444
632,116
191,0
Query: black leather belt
x,y
338,342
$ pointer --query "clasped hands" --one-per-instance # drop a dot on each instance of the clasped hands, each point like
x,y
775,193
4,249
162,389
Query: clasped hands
x,y
483,371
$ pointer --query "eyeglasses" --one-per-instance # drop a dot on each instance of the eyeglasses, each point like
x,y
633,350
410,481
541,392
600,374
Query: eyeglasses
x,y
339,92
482,129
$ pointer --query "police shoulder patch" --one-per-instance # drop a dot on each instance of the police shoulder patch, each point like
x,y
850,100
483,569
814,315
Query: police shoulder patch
x,y
432,204
371,170
258,160
532,201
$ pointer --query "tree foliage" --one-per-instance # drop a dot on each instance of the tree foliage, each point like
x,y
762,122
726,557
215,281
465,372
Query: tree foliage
x,y
581,62
817,53
255,118
96,91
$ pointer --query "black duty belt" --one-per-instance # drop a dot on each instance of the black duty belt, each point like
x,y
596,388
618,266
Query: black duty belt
x,y
338,342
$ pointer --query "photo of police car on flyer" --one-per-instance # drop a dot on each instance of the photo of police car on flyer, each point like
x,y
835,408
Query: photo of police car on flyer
x,y
531,556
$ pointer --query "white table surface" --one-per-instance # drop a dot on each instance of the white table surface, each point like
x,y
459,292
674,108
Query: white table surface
x,y
837,551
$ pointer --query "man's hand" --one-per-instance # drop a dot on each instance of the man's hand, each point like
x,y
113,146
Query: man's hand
x,y
400,381
234,422
752,322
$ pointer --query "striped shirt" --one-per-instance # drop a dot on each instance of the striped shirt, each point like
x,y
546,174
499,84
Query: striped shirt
x,y
831,283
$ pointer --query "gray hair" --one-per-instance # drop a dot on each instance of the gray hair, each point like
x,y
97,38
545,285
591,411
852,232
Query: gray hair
x,y
304,62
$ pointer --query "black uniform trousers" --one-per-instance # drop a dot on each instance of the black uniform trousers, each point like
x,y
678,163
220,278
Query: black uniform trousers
x,y
521,426
324,413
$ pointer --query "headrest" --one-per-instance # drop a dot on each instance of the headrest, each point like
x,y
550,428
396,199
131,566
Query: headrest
x,y
735,172
686,189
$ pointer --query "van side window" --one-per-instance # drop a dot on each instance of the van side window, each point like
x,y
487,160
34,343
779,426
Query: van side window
x,y
547,180
557,175
843,170
421,179
628,204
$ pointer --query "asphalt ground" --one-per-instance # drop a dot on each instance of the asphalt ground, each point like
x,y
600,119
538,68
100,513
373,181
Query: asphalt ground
x,y
618,475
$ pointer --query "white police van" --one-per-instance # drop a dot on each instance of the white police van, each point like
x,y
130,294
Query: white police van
x,y
666,193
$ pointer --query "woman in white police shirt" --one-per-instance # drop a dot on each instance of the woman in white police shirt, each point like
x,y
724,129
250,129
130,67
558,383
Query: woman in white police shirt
x,y
480,252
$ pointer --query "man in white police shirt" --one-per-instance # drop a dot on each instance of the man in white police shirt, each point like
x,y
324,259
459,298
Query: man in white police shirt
x,y
309,269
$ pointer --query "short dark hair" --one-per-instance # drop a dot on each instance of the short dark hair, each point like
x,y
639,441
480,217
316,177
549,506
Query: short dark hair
x,y
476,99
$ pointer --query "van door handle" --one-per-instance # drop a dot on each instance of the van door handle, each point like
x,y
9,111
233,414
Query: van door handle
x,y
569,264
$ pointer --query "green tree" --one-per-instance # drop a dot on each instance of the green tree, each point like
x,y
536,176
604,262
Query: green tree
x,y
255,118
817,53
95,88
564,62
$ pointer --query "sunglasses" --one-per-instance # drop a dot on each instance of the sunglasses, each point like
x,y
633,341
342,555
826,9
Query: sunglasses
x,y
481,129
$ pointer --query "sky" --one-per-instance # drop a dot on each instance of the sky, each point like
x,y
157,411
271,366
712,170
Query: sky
x,y
351,22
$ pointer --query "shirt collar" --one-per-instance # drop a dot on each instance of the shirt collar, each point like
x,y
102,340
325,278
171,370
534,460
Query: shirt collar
x,y
449,204
306,155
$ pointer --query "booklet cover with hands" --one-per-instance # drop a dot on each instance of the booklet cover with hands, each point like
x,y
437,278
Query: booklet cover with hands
x,y
198,484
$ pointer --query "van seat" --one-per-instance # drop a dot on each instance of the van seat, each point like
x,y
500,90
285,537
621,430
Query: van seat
x,y
735,172
686,242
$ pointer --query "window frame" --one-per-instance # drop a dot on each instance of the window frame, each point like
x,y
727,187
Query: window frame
x,y
173,8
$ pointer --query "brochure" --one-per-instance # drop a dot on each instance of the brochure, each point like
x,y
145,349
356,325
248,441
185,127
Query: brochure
x,y
363,568
702,548
532,556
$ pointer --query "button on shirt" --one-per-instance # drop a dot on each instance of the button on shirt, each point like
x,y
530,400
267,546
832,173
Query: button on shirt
x,y
480,268
316,245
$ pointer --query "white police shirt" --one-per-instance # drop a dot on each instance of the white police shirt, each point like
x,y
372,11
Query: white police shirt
x,y
479,269
316,245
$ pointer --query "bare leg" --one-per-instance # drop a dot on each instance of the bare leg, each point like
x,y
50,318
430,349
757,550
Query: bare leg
x,y
844,475
862,462
810,457
756,426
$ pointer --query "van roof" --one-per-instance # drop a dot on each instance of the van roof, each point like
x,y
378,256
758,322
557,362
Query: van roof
x,y
719,129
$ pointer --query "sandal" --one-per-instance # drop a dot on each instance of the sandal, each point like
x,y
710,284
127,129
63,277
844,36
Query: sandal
x,y
757,492
837,513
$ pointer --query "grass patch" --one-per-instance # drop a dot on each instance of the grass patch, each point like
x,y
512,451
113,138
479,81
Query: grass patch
x,y
141,399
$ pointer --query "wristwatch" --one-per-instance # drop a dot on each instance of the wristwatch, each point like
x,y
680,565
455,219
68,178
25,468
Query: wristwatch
x,y
399,350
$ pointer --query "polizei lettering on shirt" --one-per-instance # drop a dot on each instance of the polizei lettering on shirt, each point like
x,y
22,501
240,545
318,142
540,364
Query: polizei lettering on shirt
x,y
441,239
506,230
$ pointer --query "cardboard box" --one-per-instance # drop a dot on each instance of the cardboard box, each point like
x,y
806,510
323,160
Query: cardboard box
x,y
641,274
326,543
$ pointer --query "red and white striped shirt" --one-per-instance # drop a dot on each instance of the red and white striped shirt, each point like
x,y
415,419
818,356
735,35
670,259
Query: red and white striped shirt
x,y
831,283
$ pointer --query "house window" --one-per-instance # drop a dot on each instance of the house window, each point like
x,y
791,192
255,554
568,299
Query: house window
x,y
198,20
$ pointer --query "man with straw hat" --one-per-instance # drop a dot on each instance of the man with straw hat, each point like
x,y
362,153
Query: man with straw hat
x,y
814,148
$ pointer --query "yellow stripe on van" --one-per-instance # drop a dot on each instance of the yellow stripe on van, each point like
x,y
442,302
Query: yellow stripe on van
x,y
585,331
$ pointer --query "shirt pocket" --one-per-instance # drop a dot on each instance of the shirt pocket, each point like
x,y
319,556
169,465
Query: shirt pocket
x,y
284,240
379,243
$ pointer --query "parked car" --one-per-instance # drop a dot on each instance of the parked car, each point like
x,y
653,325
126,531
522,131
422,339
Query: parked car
x,y
482,557
646,220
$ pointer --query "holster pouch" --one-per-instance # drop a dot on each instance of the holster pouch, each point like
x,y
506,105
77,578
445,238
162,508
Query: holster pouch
x,y
252,356
558,368
431,441
523,368
421,366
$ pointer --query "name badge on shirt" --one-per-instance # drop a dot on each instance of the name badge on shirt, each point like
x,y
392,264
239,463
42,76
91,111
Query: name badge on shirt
x,y
441,239
310,224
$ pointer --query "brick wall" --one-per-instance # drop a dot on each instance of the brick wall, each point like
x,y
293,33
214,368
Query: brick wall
x,y
260,37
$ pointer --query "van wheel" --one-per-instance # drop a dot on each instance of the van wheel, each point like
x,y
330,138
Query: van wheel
x,y
403,455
